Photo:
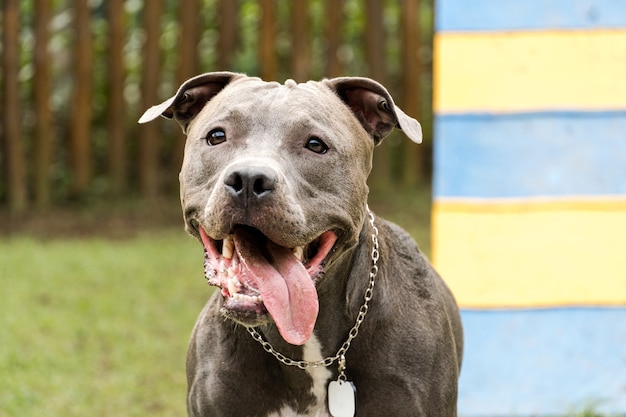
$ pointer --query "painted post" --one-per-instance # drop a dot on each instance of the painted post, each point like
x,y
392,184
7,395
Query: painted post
x,y
529,215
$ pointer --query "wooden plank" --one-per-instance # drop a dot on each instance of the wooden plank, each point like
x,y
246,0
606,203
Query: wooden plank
x,y
149,133
267,40
44,132
11,115
334,20
414,170
375,42
80,127
228,33
300,51
188,63
116,105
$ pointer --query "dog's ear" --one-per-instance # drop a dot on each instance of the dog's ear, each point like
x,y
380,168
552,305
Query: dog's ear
x,y
372,104
190,98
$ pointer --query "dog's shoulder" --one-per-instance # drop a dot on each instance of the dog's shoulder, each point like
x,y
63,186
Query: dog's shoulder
x,y
406,273
400,252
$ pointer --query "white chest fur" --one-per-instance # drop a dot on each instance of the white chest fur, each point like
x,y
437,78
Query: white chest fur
x,y
321,375
288,412
312,352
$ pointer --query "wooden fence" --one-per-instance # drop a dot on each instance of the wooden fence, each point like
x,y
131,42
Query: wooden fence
x,y
76,74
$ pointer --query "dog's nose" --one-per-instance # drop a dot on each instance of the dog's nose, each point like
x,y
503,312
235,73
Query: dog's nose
x,y
250,184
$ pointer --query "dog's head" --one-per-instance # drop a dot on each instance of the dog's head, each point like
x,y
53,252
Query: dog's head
x,y
273,184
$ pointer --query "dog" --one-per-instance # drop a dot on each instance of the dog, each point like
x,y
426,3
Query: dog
x,y
323,308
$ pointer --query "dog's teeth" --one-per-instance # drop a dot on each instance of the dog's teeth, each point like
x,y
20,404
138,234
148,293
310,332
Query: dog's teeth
x,y
232,287
298,251
246,298
228,247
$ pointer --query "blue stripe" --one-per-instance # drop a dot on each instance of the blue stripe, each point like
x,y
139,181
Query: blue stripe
x,y
498,15
543,362
530,155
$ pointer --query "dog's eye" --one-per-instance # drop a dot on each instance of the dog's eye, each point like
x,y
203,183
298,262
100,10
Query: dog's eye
x,y
316,145
215,137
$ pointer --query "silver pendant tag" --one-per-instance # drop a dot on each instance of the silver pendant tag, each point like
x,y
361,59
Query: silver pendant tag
x,y
341,398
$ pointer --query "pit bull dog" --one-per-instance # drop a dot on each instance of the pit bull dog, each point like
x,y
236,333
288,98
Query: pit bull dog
x,y
323,308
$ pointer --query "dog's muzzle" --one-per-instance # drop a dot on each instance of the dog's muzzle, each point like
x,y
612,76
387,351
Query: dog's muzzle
x,y
258,277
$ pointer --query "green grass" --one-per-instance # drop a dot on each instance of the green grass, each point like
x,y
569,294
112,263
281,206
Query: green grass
x,y
97,327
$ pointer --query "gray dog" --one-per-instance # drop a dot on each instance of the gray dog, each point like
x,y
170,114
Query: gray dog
x,y
323,308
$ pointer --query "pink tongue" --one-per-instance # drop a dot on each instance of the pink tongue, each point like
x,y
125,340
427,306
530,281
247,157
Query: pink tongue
x,y
287,289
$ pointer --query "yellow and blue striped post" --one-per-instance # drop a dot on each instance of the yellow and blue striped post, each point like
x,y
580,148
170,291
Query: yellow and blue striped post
x,y
529,215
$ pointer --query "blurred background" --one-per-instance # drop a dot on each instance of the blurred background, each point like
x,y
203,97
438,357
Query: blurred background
x,y
100,285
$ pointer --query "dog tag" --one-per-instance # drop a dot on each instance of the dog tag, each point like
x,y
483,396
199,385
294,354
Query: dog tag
x,y
341,398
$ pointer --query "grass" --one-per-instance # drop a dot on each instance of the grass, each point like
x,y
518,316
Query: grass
x,y
97,327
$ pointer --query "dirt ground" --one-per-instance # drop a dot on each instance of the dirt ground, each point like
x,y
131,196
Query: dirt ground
x,y
116,220
125,218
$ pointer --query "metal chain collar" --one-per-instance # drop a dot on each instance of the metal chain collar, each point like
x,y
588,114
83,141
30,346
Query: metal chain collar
x,y
340,355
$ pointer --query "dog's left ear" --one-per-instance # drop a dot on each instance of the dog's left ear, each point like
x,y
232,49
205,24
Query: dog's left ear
x,y
190,98
372,104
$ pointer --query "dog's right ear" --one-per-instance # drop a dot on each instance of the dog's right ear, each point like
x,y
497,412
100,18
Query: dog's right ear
x,y
373,106
190,98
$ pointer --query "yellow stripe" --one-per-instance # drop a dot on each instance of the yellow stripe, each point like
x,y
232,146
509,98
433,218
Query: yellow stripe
x,y
512,205
532,258
530,71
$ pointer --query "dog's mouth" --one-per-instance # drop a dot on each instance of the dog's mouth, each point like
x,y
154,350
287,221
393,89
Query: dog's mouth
x,y
258,276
